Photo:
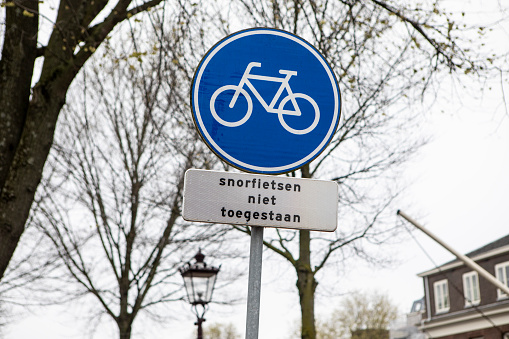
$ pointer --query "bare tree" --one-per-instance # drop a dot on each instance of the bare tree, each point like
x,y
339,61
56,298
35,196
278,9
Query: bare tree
x,y
361,315
111,197
221,331
387,58
29,112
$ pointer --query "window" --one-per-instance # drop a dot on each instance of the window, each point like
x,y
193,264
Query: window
x,y
417,306
471,289
502,272
441,296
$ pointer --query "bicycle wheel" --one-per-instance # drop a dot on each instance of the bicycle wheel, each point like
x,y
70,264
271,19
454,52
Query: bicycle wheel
x,y
281,113
235,122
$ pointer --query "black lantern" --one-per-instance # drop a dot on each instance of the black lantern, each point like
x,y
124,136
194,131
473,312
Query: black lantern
x,y
199,281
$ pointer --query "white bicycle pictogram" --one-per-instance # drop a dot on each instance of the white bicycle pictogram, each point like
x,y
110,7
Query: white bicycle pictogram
x,y
270,108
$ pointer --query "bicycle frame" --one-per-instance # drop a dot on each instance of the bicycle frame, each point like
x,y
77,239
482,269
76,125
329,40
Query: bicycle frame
x,y
284,85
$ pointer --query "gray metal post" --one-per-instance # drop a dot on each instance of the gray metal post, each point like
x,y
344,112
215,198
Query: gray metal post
x,y
255,282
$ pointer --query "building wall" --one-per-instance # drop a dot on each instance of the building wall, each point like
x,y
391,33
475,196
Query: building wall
x,y
454,277
489,333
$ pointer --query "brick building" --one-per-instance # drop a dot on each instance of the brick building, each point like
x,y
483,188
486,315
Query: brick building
x,y
461,304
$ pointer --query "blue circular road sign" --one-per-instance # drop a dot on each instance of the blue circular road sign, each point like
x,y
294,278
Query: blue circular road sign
x,y
265,101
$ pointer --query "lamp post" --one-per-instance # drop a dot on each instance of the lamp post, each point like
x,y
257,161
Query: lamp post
x,y
199,281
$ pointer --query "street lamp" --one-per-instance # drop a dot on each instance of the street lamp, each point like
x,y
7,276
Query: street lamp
x,y
199,281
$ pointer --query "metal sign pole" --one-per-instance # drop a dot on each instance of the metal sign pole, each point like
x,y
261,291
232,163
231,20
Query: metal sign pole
x,y
248,147
254,283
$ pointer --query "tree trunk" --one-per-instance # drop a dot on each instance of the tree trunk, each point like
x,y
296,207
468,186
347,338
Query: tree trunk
x,y
16,67
124,328
27,123
306,282
25,170
30,135
306,285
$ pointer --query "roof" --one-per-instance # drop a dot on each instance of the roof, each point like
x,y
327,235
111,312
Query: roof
x,y
504,241
498,246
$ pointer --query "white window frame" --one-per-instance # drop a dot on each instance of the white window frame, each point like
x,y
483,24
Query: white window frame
x,y
502,274
471,290
441,291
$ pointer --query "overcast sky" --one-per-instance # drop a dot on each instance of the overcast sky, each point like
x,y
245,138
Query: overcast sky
x,y
459,190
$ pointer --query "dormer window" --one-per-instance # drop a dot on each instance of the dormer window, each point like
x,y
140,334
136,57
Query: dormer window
x,y
471,289
502,273
441,289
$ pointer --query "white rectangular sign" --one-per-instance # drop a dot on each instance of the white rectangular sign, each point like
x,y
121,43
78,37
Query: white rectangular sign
x,y
260,200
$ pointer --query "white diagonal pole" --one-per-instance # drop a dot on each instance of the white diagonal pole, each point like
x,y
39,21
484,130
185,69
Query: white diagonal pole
x,y
469,262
